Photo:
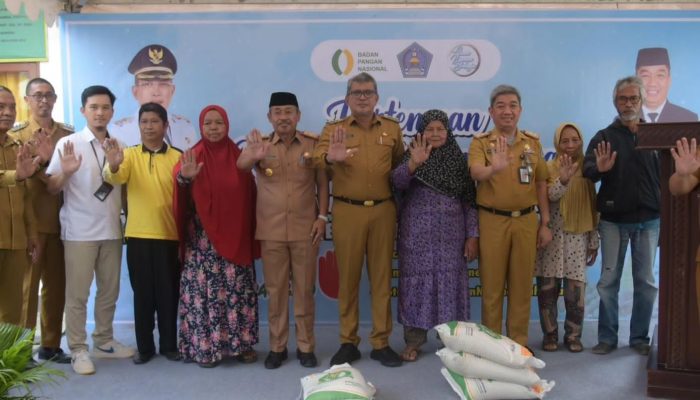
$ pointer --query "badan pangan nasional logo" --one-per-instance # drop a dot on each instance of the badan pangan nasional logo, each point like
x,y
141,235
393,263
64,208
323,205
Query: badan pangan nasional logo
x,y
342,62
429,60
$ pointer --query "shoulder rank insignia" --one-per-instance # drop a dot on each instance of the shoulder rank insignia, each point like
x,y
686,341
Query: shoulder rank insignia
x,y
123,121
180,118
309,135
66,127
531,135
388,118
19,126
481,135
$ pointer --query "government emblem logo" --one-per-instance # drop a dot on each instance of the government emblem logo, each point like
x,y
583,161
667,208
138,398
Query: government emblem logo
x,y
342,62
464,60
155,56
415,61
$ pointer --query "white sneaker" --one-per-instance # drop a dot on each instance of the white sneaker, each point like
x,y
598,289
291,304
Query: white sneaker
x,y
82,364
113,349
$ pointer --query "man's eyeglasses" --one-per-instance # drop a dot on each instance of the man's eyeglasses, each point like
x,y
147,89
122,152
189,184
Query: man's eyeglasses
x,y
362,93
632,99
43,96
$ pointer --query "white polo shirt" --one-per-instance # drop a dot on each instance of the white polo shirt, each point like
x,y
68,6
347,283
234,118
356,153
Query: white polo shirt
x,y
83,216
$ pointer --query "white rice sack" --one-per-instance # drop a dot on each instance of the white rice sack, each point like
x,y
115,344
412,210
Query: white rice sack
x,y
484,389
340,382
477,339
473,366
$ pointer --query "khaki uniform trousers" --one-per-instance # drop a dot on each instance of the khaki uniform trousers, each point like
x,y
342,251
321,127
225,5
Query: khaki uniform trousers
x,y
50,269
13,264
359,230
507,251
282,262
100,259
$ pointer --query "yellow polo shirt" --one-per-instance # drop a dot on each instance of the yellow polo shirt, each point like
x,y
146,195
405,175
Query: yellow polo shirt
x,y
148,177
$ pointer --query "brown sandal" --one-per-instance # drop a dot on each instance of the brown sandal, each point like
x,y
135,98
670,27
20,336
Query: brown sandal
x,y
549,343
410,353
574,345
248,357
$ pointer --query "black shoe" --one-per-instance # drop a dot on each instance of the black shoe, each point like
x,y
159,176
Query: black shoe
x,y
347,353
307,360
386,356
54,355
274,359
172,355
142,358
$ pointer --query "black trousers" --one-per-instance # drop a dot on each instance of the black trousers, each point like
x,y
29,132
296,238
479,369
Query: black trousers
x,y
154,273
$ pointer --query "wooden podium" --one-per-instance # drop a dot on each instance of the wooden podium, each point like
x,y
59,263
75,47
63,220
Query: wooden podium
x,y
673,369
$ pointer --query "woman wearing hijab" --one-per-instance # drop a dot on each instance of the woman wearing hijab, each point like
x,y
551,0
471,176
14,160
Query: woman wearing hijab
x,y
574,242
215,211
438,231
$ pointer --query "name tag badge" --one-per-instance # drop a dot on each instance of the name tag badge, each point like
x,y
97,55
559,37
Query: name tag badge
x,y
524,173
103,191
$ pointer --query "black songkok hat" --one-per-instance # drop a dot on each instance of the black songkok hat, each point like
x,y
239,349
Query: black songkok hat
x,y
283,99
653,56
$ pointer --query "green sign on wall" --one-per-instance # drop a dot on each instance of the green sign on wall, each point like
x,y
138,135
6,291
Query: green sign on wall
x,y
21,39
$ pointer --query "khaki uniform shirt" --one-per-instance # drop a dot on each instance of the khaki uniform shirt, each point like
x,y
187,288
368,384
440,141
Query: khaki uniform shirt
x,y
46,205
504,190
286,204
365,176
17,221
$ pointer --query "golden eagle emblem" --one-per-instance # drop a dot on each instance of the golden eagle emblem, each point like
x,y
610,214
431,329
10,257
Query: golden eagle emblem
x,y
155,55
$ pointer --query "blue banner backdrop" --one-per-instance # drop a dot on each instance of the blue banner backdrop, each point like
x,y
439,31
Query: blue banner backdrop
x,y
565,64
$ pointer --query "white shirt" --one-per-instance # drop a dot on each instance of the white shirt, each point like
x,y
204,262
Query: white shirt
x,y
646,110
83,216
180,133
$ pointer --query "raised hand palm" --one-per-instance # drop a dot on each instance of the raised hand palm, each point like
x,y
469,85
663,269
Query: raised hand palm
x,y
337,150
258,150
70,163
604,162
499,160
687,164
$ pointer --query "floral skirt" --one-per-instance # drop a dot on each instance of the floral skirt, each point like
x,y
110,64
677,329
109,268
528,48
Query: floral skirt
x,y
218,303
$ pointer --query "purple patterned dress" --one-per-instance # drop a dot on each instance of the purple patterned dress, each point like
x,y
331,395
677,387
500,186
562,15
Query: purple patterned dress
x,y
218,302
433,280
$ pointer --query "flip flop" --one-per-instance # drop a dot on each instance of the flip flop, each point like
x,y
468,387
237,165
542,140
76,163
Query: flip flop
x,y
410,354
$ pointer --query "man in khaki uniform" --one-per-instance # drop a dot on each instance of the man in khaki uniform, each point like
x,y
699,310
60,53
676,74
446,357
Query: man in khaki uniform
x,y
361,150
292,208
512,179
50,266
17,222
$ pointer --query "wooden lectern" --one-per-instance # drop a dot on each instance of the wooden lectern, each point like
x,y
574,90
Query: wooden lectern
x,y
673,369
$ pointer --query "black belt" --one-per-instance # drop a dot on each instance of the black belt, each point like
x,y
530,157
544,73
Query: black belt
x,y
504,213
366,203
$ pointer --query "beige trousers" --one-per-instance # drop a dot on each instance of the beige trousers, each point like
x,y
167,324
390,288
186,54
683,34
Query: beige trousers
x,y
101,259
295,262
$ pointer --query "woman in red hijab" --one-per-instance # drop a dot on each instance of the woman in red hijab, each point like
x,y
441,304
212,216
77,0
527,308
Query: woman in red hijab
x,y
215,211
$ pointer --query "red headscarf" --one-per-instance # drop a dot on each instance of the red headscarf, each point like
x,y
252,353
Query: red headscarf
x,y
223,196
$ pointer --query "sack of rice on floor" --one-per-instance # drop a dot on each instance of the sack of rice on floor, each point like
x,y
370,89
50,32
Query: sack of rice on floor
x,y
475,367
485,389
340,382
477,339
